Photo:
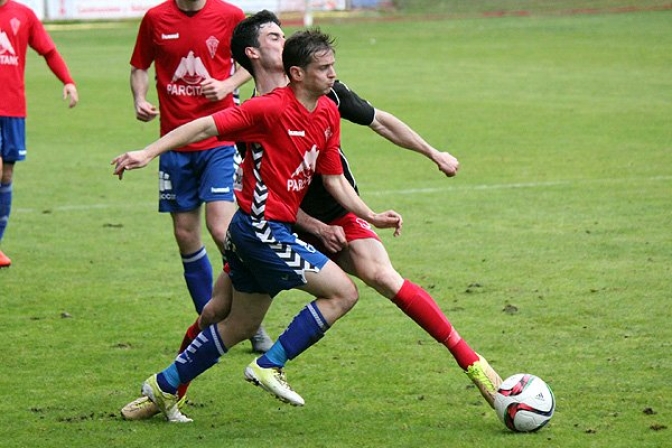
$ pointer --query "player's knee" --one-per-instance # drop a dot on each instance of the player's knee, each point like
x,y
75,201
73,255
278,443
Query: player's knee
x,y
348,297
384,279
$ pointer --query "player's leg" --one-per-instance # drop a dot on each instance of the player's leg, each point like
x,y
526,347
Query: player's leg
x,y
205,351
12,150
179,195
368,260
216,310
216,169
335,296
195,262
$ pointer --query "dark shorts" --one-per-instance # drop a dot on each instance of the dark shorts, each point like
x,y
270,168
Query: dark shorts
x,y
266,257
12,139
355,229
189,179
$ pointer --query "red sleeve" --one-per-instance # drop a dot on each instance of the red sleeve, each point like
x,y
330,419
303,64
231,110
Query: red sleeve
x,y
143,52
58,66
39,40
246,122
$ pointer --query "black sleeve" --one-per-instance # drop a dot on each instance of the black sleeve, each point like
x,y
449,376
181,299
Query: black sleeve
x,y
351,106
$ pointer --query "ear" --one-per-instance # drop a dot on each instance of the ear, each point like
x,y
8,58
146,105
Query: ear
x,y
296,73
251,53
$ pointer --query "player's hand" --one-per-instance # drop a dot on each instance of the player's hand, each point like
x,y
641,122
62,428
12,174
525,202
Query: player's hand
x,y
215,90
447,164
128,161
145,111
333,238
70,94
387,220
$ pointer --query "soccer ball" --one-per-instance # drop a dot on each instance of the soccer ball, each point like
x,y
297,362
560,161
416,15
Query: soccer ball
x,y
524,403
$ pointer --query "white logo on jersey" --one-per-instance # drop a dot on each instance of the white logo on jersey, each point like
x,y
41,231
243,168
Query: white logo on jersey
x,y
191,72
212,43
303,175
7,54
296,133
170,36
15,24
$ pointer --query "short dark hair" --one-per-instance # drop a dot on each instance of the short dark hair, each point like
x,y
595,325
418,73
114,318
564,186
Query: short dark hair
x,y
302,46
246,34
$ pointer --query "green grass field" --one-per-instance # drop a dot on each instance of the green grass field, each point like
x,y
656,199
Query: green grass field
x,y
551,251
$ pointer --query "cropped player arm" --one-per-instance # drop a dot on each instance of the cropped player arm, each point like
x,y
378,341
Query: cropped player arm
x,y
191,132
399,133
339,187
333,237
60,69
215,90
144,110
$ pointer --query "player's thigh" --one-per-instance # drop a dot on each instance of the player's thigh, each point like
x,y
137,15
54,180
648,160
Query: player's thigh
x,y
247,313
368,260
218,216
330,282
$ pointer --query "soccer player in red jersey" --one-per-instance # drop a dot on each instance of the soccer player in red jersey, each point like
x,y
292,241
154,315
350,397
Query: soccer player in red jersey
x,y
20,28
296,131
188,42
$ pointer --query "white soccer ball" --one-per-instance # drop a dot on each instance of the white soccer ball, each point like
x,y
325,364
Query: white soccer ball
x,y
524,403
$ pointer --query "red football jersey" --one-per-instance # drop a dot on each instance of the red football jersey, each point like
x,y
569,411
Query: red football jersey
x,y
185,50
291,145
19,27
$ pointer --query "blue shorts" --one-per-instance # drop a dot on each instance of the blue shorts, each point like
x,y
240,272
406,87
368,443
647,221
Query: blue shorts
x,y
12,139
188,179
266,257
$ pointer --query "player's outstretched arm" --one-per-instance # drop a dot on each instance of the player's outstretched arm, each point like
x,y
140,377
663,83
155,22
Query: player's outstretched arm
x,y
393,129
191,132
339,187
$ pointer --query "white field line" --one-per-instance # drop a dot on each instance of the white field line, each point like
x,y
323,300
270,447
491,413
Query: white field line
x,y
444,189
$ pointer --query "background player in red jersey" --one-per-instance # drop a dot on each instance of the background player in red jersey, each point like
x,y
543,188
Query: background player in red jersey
x,y
297,134
20,28
188,41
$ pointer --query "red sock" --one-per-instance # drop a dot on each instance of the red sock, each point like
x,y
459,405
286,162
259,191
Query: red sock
x,y
417,304
189,336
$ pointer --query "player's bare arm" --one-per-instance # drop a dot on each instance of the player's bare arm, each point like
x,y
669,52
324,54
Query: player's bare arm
x,y
144,110
393,129
333,237
339,187
191,132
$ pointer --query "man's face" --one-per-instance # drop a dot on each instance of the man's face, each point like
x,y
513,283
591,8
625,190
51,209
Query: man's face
x,y
320,75
271,43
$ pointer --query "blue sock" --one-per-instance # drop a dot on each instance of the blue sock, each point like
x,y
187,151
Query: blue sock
x,y
5,206
198,274
199,356
306,329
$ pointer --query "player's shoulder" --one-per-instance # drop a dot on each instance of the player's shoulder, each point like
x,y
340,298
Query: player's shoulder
x,y
16,7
